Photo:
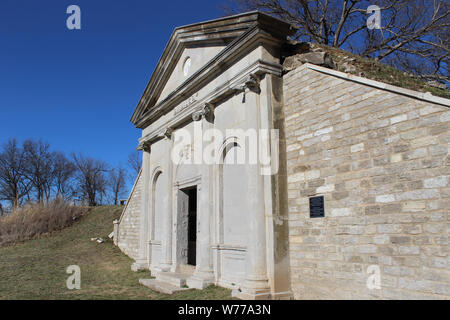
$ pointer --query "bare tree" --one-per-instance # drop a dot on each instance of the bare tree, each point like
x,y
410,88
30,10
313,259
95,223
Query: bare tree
x,y
91,178
39,161
413,36
117,183
13,183
135,161
63,172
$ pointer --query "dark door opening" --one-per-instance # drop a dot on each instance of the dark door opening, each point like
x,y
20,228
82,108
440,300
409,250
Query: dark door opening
x,y
192,226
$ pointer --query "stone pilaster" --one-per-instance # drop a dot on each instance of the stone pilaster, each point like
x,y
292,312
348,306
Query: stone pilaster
x,y
166,261
204,274
256,284
275,195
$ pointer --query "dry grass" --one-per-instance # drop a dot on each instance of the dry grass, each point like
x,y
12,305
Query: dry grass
x,y
34,220
378,71
36,269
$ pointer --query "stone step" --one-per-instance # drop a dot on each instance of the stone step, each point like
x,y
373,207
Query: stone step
x,y
186,269
175,279
160,286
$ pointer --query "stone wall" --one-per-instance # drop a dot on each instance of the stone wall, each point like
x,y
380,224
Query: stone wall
x,y
381,161
129,222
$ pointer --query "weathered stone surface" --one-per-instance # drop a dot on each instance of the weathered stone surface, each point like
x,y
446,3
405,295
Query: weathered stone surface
x,y
198,85
161,286
385,182
317,58
128,230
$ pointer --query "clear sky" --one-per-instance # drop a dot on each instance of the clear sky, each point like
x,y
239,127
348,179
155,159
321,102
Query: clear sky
x,y
78,89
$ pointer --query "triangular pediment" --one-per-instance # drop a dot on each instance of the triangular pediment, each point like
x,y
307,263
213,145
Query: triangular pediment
x,y
190,61
191,47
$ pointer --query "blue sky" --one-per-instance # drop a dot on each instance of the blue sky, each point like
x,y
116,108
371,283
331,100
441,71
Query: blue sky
x,y
78,89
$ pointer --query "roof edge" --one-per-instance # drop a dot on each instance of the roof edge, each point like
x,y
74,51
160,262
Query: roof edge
x,y
425,96
278,27
258,15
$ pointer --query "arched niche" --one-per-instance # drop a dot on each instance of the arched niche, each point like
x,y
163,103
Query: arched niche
x,y
157,210
233,194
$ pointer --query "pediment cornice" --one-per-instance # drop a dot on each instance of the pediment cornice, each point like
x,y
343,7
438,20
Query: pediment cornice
x,y
238,33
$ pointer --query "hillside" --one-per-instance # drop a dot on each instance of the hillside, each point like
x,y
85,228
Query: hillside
x,y
36,269
348,62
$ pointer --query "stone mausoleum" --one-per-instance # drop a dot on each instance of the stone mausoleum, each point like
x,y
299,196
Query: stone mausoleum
x,y
352,204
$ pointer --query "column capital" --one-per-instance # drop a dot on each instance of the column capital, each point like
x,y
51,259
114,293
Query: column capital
x,y
166,133
252,83
206,112
144,146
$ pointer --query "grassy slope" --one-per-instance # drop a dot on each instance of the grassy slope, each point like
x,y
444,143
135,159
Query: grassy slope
x,y
381,72
36,269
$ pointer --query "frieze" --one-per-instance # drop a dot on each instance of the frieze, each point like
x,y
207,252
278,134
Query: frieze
x,y
186,104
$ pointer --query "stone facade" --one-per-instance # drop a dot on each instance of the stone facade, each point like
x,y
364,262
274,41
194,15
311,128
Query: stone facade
x,y
128,235
201,223
381,160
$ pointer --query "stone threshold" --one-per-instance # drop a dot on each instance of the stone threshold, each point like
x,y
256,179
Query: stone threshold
x,y
167,282
161,286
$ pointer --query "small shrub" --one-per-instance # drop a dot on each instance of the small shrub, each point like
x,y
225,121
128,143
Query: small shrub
x,y
34,220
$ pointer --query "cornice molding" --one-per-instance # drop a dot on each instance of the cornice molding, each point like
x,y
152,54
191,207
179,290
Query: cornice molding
x,y
239,84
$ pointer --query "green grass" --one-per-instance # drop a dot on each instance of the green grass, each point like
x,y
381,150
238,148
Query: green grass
x,y
36,269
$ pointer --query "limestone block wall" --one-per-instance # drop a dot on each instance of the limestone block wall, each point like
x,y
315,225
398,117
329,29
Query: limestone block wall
x,y
381,161
129,222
